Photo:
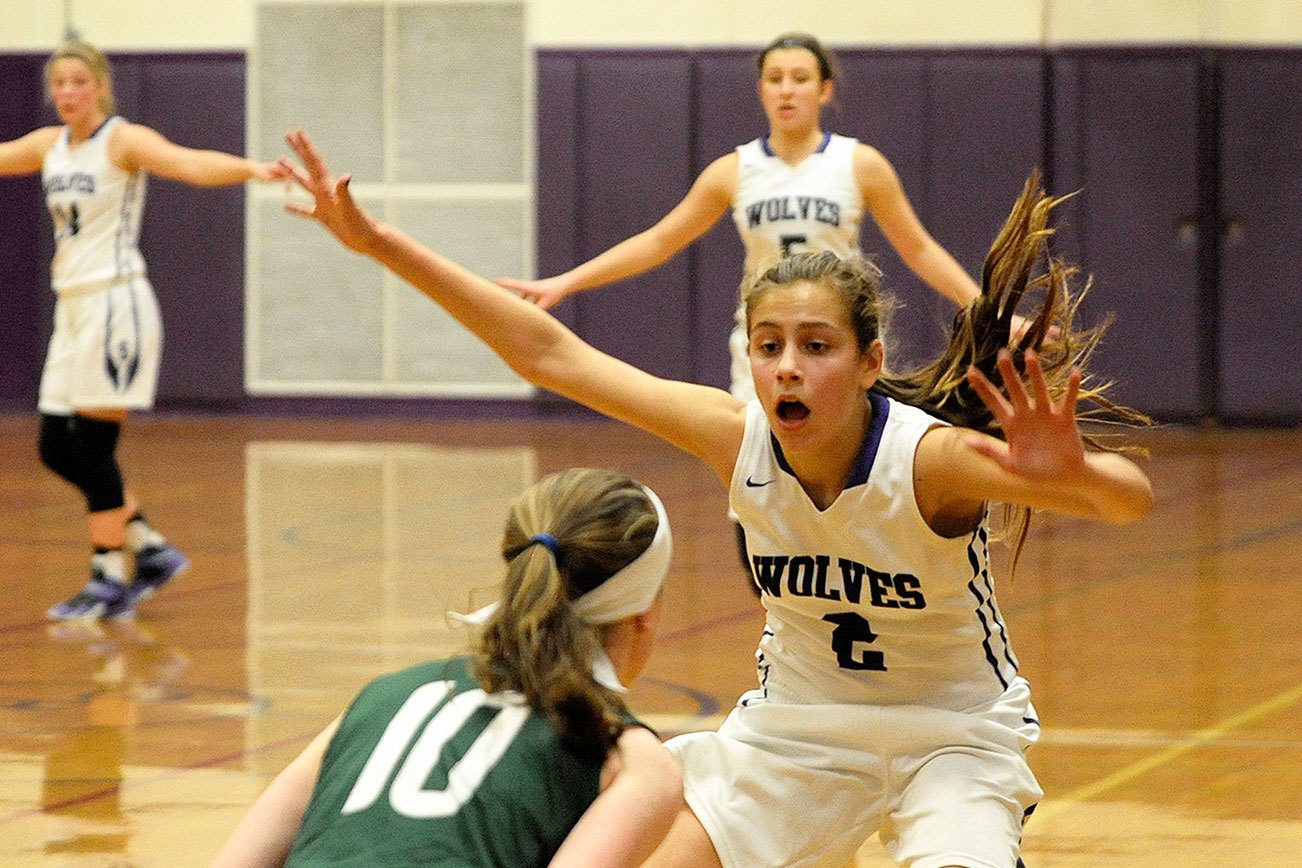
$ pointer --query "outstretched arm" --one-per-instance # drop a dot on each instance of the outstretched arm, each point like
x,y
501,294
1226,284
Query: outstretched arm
x,y
267,832
702,421
894,215
139,148
632,815
24,155
1043,464
700,209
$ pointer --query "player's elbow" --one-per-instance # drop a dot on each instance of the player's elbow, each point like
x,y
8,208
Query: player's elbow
x,y
545,356
1138,504
661,782
1130,504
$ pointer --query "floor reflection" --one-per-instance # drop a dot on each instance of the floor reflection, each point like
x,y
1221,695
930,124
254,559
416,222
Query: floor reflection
x,y
81,791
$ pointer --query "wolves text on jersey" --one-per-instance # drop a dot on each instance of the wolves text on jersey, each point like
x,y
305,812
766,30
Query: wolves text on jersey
x,y
79,182
810,576
793,208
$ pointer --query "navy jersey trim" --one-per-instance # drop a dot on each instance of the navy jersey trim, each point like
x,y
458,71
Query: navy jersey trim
x,y
761,670
127,214
100,127
768,150
984,537
872,441
863,465
985,600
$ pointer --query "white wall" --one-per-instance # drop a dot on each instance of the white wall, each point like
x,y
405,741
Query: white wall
x,y
37,25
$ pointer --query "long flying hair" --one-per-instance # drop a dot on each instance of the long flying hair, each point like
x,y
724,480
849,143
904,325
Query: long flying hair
x,y
1018,267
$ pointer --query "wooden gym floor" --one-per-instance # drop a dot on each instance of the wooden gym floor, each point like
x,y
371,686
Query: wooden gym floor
x,y
1165,657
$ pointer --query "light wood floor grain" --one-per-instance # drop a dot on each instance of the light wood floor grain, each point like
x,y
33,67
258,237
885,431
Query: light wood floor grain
x,y
1165,657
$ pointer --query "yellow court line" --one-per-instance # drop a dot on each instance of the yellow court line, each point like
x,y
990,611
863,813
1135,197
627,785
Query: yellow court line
x,y
1197,740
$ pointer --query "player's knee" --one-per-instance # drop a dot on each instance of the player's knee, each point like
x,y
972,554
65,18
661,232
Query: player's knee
x,y
100,479
55,446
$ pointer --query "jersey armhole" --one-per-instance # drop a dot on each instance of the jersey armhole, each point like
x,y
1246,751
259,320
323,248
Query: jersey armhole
x,y
913,486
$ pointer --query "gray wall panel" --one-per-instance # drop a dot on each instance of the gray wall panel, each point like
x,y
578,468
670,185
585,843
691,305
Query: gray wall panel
x,y
325,318
321,67
459,112
485,237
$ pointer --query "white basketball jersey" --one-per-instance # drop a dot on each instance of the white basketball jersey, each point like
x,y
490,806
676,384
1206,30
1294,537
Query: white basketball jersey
x,y
866,604
781,209
96,210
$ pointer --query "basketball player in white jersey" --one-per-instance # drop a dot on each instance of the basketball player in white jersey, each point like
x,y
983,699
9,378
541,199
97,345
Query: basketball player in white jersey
x,y
796,189
889,698
107,342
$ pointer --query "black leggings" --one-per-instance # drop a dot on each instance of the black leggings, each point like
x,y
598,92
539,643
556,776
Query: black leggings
x,y
83,451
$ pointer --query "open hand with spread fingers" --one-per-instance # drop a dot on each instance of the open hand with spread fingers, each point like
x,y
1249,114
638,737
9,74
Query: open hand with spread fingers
x,y
1042,440
333,204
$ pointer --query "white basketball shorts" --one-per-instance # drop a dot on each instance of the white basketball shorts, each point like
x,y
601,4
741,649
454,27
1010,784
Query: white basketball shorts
x,y
105,349
805,785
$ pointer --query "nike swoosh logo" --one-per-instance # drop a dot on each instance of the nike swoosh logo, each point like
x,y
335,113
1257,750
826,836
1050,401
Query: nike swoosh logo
x,y
750,483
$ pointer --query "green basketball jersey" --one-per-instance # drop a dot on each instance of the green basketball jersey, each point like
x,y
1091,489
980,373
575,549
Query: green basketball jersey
x,y
428,769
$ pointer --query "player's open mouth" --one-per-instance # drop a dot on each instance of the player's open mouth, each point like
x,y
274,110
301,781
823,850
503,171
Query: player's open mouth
x,y
792,411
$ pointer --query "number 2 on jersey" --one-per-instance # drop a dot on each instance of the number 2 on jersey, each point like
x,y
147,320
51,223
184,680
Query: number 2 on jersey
x,y
407,793
852,628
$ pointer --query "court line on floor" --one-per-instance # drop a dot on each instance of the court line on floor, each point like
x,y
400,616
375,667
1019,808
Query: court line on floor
x,y
1202,737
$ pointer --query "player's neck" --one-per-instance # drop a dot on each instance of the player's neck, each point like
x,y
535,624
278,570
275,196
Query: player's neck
x,y
793,146
824,469
81,130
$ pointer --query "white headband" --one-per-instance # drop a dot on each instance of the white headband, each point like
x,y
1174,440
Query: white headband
x,y
629,591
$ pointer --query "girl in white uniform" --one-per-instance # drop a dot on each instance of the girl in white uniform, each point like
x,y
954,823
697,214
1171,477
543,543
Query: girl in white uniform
x,y
107,341
888,698
796,189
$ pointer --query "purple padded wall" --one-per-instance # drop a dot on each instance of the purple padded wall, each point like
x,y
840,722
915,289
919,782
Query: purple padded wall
x,y
1126,135
23,280
883,102
193,238
963,132
899,101
634,164
1261,243
726,114
557,158
622,134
